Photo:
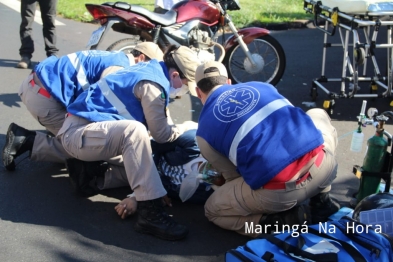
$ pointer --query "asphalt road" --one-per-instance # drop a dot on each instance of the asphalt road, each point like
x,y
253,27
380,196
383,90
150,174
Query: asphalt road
x,y
42,220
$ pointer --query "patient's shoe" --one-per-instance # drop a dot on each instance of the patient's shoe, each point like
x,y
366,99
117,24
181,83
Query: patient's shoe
x,y
280,222
18,141
321,207
83,174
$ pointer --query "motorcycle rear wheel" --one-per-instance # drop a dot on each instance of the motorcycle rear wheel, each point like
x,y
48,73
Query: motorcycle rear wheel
x,y
126,45
268,55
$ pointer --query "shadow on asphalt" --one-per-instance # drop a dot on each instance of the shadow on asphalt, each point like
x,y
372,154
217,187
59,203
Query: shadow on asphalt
x,y
39,193
10,100
8,62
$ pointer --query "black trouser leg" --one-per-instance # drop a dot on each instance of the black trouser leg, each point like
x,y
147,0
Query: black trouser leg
x,y
27,11
48,15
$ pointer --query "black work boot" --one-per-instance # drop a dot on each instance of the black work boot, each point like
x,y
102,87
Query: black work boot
x,y
18,141
83,174
321,207
153,220
279,222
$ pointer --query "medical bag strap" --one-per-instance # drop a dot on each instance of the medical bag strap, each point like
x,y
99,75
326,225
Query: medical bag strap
x,y
297,251
353,252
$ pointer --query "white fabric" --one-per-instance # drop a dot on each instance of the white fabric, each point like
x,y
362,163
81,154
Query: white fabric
x,y
359,6
178,173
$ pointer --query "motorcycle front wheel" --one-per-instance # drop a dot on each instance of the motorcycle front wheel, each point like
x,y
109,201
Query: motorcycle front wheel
x,y
126,45
269,58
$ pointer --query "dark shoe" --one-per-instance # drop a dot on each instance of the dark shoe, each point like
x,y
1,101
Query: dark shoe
x,y
83,174
24,63
321,207
18,141
153,220
280,221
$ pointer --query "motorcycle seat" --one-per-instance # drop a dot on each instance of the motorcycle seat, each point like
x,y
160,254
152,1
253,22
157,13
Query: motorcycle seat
x,y
166,19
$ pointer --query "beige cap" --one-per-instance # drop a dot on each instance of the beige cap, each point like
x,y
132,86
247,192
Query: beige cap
x,y
187,61
150,49
200,71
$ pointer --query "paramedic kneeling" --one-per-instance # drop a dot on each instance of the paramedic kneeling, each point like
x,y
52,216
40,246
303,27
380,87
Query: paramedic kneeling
x,y
273,156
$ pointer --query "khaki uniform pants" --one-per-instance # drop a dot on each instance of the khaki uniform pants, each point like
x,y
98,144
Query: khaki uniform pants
x,y
106,140
235,203
49,113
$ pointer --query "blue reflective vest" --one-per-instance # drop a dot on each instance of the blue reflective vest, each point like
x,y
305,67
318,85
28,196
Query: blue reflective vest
x,y
112,98
259,130
66,77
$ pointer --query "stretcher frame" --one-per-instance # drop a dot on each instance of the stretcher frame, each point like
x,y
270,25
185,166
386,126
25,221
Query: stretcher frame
x,y
349,25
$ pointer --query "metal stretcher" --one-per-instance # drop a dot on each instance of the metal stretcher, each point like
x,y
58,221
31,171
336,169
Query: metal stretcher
x,y
351,18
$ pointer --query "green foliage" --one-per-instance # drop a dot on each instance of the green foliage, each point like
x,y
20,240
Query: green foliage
x,y
252,11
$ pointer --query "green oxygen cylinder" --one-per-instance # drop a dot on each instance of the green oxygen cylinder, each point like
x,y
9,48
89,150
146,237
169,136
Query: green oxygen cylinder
x,y
373,162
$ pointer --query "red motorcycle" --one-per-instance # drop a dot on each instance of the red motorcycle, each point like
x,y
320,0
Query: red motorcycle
x,y
249,54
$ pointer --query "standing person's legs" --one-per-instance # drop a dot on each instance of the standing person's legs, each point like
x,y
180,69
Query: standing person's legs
x,y
26,50
48,15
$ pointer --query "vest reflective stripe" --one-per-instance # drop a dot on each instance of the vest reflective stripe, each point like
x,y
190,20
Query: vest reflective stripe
x,y
114,100
254,120
81,75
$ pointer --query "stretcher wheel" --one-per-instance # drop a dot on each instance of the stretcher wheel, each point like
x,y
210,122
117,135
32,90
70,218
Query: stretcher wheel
x,y
360,55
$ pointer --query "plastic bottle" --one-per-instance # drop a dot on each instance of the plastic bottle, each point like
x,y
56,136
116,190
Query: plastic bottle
x,y
358,136
357,140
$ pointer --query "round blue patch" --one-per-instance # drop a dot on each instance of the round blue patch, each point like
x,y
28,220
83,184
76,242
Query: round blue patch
x,y
236,103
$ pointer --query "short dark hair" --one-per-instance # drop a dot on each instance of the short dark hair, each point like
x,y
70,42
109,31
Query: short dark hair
x,y
137,53
208,83
170,62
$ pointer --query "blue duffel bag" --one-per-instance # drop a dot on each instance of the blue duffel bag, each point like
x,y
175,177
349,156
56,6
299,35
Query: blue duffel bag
x,y
343,240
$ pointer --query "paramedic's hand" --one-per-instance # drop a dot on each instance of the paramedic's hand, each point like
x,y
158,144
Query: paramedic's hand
x,y
219,181
166,201
126,207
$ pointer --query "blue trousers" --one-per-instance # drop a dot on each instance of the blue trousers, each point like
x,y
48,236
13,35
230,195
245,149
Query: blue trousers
x,y
177,153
